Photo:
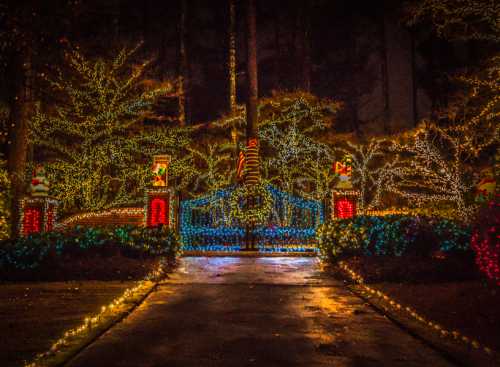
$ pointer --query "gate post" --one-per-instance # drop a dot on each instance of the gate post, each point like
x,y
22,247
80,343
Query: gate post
x,y
344,203
159,198
37,212
344,196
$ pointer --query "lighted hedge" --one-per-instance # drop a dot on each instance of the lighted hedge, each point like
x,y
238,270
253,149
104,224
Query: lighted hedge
x,y
486,241
31,252
392,235
4,202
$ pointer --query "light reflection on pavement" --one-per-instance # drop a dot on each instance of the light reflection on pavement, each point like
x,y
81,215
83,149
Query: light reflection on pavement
x,y
245,312
257,270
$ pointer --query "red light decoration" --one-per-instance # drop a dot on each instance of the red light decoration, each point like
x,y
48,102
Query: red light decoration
x,y
158,212
32,220
487,250
345,208
486,243
49,218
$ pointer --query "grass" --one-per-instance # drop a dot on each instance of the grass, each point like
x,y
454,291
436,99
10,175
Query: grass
x,y
33,315
470,307
449,292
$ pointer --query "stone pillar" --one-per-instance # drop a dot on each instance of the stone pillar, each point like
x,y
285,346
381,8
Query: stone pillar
x,y
158,198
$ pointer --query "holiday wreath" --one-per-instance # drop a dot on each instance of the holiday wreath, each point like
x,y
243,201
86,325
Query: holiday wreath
x,y
251,214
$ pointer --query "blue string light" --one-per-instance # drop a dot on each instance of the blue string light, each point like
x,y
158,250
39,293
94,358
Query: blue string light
x,y
206,224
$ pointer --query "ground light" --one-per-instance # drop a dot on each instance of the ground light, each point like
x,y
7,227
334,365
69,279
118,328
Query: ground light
x,y
394,305
94,325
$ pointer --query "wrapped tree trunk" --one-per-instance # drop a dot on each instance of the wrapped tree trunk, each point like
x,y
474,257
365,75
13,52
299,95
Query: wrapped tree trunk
x,y
384,71
252,154
184,81
232,56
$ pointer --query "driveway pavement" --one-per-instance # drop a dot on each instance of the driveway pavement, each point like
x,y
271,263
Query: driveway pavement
x,y
268,312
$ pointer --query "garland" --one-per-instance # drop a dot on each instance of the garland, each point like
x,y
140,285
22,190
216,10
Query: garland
x,y
258,214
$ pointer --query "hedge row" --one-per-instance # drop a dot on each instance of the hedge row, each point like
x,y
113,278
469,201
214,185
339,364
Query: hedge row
x,y
393,235
41,248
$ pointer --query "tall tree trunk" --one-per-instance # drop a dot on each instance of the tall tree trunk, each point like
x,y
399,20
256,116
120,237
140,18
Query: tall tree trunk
x,y
251,155
117,21
232,55
303,49
232,76
184,87
146,20
414,83
384,73
19,148
354,94
432,70
277,67
252,86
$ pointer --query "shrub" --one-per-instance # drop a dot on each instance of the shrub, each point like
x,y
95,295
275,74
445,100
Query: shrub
x,y
39,249
392,235
486,241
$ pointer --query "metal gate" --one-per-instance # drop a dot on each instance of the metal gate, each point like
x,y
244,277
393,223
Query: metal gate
x,y
206,224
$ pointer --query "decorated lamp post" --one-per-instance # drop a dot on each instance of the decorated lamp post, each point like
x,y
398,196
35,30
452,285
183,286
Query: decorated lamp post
x,y
159,198
38,211
344,196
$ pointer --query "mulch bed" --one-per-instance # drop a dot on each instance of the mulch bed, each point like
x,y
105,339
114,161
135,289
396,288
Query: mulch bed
x,y
448,291
414,269
34,315
116,267
39,305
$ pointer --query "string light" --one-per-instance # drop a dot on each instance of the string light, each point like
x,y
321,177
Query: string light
x,y
94,324
132,215
486,242
31,221
345,208
392,235
158,212
394,305
5,227
37,214
252,163
207,223
157,206
99,151
344,203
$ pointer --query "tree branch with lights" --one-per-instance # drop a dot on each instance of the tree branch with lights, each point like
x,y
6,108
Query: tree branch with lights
x,y
93,139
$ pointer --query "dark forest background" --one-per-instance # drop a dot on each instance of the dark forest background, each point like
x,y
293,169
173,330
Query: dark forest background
x,y
388,75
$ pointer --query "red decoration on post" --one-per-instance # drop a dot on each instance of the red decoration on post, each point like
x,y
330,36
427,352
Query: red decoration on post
x,y
32,220
345,208
49,218
158,211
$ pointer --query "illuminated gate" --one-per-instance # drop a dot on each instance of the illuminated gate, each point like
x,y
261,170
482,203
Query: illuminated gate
x,y
206,224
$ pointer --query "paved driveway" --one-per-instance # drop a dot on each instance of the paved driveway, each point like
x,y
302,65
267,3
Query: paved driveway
x,y
255,312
